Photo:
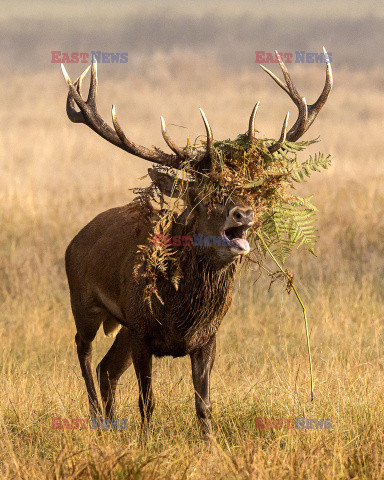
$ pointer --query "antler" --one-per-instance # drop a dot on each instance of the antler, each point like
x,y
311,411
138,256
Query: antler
x,y
251,130
274,147
89,115
307,113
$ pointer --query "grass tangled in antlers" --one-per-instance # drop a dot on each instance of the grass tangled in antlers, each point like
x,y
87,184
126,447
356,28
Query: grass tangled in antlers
x,y
264,180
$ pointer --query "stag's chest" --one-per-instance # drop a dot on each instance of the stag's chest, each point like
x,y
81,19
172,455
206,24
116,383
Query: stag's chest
x,y
189,315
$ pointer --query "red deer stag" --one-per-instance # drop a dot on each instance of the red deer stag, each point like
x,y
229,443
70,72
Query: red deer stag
x,y
100,263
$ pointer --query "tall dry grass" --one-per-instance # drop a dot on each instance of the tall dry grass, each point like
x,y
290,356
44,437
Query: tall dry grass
x,y
55,176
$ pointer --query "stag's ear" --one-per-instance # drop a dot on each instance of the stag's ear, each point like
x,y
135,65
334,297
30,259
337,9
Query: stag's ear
x,y
168,185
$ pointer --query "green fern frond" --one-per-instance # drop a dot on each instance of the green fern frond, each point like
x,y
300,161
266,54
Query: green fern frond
x,y
313,164
290,224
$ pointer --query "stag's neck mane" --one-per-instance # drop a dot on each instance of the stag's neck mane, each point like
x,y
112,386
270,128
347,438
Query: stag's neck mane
x,y
190,291
199,292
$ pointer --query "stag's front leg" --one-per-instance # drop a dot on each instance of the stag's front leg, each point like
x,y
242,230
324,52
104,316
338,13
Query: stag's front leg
x,y
202,362
142,361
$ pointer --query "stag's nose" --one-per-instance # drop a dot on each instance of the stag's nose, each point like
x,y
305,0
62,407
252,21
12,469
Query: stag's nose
x,y
242,216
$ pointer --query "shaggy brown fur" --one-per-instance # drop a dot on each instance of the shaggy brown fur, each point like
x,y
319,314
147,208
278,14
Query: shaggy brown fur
x,y
108,287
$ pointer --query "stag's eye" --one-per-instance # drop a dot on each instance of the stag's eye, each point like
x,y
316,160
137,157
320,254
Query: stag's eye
x,y
236,232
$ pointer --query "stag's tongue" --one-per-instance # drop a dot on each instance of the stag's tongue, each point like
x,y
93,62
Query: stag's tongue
x,y
240,243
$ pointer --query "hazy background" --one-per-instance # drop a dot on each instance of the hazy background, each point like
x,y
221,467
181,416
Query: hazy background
x,y
55,176
226,32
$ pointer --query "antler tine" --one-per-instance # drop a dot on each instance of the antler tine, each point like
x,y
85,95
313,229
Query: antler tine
x,y
291,87
156,156
73,114
275,78
179,151
210,152
208,130
79,79
91,100
251,129
89,116
315,108
273,148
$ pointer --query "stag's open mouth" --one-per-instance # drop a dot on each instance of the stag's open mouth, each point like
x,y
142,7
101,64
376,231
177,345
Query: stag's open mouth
x,y
237,238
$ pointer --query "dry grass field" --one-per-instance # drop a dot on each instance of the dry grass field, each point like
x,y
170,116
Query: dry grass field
x,y
56,176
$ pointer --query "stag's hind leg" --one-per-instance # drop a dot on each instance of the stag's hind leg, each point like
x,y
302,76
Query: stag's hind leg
x,y
84,352
111,367
88,318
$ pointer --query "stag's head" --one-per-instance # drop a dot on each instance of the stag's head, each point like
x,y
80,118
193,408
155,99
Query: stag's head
x,y
222,202
224,228
218,225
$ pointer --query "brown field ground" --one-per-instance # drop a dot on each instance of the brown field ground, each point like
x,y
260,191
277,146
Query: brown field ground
x,y
56,176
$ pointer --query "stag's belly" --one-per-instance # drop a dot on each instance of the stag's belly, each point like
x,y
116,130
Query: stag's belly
x,y
170,342
161,346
